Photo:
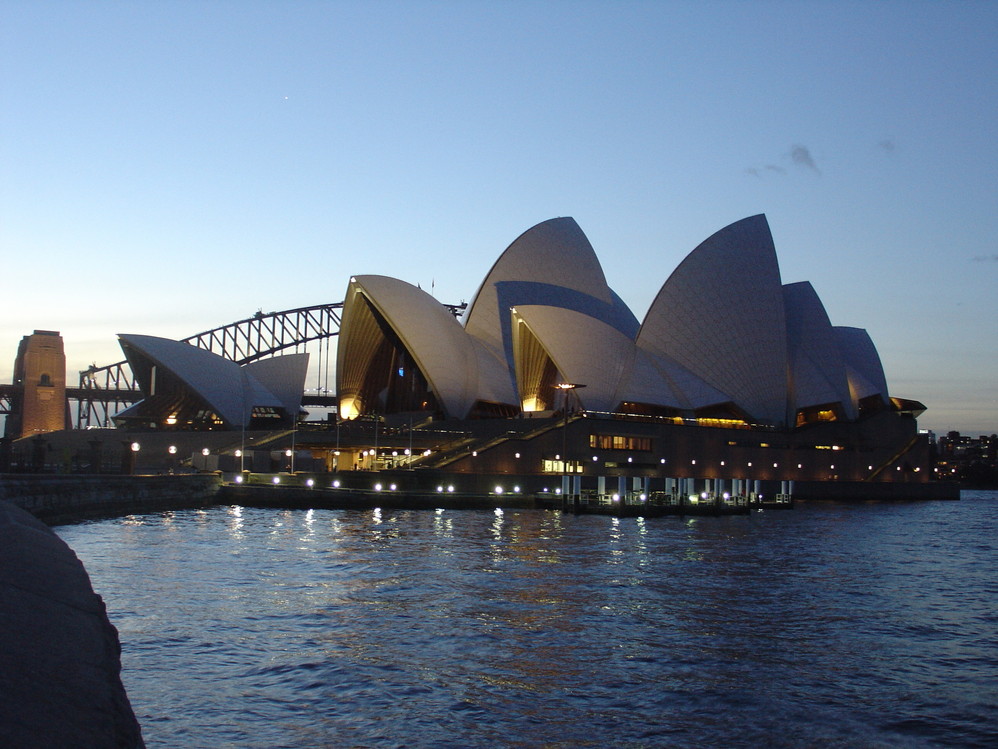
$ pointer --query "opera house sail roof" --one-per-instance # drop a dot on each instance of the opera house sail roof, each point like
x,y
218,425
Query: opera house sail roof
x,y
188,387
724,339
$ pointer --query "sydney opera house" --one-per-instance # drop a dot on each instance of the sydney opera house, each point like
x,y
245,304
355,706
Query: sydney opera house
x,y
731,372
547,375
724,343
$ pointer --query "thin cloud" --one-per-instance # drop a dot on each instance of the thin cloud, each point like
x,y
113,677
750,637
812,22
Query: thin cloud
x,y
758,172
801,156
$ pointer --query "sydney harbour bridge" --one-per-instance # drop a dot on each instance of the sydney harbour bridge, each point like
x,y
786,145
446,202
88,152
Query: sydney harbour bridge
x,y
103,391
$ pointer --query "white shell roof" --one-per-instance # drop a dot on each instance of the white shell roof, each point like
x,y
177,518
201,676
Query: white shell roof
x,y
550,263
817,372
231,391
585,350
656,379
284,376
495,384
720,315
434,338
862,362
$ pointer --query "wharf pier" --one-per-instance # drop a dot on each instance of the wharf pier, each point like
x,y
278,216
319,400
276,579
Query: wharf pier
x,y
305,495
658,504
57,499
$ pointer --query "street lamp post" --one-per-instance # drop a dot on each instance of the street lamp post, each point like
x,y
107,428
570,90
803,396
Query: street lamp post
x,y
242,437
133,454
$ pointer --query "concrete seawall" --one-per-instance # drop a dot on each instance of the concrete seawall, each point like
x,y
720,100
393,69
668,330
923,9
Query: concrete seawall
x,y
62,499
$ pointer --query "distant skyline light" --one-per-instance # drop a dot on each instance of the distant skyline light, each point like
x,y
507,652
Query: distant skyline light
x,y
167,168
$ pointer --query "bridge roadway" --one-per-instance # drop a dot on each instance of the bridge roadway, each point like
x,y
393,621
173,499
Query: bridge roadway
x,y
127,396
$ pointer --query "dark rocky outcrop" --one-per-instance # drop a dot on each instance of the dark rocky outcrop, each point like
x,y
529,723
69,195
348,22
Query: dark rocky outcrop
x,y
60,665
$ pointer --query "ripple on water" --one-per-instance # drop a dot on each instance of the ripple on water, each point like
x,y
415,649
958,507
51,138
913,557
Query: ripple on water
x,y
832,625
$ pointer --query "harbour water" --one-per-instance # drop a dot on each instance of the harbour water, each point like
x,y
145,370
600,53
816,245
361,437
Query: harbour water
x,y
859,625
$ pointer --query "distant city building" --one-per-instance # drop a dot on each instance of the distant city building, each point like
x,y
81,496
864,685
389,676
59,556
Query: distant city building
x,y
972,460
39,403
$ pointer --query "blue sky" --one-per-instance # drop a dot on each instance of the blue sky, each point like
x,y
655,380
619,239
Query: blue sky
x,y
170,167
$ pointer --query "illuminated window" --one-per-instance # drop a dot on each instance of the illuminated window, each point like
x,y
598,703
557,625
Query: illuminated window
x,y
558,466
620,442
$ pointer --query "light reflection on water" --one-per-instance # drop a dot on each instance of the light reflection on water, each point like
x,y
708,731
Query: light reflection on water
x,y
868,625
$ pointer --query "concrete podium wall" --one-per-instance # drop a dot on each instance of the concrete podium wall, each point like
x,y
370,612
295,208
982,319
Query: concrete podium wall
x,y
67,498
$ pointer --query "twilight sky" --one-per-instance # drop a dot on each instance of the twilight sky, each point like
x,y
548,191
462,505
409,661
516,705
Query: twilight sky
x,y
169,167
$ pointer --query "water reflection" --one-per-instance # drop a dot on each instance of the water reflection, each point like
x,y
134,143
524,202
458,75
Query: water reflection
x,y
235,523
443,525
258,628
